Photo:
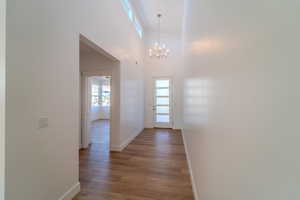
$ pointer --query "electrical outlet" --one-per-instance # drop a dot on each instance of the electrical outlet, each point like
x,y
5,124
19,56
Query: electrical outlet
x,y
43,122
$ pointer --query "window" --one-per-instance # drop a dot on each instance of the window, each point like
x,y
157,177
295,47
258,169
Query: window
x,y
128,9
105,96
130,12
138,27
95,95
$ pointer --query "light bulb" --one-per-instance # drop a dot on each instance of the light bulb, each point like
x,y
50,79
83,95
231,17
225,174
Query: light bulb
x,y
159,51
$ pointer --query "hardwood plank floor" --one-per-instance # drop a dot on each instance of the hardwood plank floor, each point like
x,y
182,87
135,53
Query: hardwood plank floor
x,y
152,167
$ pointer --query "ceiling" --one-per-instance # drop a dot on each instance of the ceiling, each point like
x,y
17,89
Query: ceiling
x,y
172,11
85,48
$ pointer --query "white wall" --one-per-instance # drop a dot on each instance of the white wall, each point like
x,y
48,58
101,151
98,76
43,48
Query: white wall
x,y
169,67
242,98
132,94
43,81
2,94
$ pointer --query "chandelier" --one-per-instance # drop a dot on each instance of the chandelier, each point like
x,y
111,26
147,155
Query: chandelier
x,y
159,50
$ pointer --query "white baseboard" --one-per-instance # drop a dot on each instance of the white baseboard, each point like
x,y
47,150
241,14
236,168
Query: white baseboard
x,y
149,126
177,127
116,148
125,143
196,196
71,193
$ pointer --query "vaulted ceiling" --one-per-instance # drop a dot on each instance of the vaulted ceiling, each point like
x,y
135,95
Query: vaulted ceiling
x,y
172,11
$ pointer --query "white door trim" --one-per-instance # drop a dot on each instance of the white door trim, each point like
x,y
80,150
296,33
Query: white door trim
x,y
85,113
2,95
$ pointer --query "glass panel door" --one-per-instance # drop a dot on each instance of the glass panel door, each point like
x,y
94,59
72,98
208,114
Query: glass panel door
x,y
162,103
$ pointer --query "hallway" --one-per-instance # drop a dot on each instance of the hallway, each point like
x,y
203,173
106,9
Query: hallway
x,y
152,167
225,74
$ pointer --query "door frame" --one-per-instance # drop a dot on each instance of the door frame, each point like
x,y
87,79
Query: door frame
x,y
171,123
2,95
86,104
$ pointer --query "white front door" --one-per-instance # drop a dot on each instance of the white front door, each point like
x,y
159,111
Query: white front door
x,y
162,108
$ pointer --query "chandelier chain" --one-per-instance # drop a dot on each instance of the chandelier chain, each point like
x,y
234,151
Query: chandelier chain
x,y
159,50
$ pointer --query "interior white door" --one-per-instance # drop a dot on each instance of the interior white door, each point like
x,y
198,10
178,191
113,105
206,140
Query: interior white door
x,y
162,108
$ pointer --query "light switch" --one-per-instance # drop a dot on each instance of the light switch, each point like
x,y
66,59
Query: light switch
x,y
43,122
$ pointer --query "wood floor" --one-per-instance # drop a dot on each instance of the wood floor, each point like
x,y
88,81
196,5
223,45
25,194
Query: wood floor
x,y
152,167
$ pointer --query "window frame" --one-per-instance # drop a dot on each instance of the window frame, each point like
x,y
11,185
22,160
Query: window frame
x,y
108,95
93,96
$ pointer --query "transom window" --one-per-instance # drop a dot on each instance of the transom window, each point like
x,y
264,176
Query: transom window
x,y
132,16
128,9
138,27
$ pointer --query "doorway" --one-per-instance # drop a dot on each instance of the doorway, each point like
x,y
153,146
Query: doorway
x,y
162,107
99,109
96,98
100,97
